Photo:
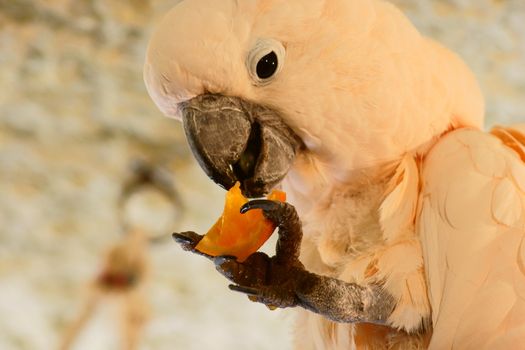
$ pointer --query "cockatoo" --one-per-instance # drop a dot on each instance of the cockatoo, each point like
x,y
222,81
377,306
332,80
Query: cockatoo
x,y
405,222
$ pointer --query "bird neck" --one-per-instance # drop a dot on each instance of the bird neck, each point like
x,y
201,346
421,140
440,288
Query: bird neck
x,y
311,182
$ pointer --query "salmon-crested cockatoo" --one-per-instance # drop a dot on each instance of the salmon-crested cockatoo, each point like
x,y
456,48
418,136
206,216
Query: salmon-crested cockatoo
x,y
405,222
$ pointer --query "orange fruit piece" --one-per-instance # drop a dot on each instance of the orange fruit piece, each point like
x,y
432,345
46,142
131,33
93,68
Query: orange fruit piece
x,y
237,234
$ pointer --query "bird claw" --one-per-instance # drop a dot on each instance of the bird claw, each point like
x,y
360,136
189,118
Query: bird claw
x,y
268,280
272,210
249,291
281,281
271,281
188,241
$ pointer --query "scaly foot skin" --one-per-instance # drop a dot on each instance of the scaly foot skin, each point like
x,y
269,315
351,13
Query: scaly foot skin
x,y
279,276
281,281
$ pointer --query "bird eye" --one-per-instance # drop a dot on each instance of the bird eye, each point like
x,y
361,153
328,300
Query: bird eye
x,y
267,66
265,61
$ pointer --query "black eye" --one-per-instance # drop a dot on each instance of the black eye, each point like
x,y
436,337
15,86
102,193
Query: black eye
x,y
267,66
265,60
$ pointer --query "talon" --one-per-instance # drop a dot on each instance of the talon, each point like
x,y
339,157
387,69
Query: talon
x,y
264,204
187,239
251,292
228,267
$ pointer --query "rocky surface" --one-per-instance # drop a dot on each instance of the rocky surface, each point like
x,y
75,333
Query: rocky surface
x,y
489,36
74,113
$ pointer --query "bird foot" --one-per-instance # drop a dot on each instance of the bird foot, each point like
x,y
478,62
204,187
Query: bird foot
x,y
268,280
282,281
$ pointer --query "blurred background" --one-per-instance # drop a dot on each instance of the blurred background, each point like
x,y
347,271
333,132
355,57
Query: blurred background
x,y
74,114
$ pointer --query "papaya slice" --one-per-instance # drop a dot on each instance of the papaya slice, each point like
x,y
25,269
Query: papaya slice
x,y
237,234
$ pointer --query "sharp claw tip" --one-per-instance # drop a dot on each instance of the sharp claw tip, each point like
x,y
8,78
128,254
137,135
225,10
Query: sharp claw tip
x,y
245,208
245,290
255,204
187,243
179,237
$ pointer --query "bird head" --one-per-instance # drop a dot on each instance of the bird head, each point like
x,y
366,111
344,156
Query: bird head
x,y
257,83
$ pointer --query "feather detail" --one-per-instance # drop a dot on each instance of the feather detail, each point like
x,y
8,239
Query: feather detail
x,y
400,268
506,203
513,138
492,313
472,229
521,256
398,210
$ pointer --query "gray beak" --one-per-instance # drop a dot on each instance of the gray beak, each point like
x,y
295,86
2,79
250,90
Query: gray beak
x,y
235,140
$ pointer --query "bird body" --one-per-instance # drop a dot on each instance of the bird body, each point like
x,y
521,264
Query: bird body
x,y
394,180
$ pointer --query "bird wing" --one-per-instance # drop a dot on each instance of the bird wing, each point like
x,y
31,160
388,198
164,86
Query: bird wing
x,y
472,227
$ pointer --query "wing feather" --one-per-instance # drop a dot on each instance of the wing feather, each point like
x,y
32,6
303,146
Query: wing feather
x,y
472,229
399,207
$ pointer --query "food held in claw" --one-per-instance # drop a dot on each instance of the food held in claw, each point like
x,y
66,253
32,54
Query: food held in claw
x,y
237,234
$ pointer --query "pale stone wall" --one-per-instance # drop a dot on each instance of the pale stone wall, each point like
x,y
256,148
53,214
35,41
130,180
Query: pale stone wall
x,y
490,36
74,112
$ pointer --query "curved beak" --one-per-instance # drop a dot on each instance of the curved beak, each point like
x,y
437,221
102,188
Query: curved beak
x,y
235,140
